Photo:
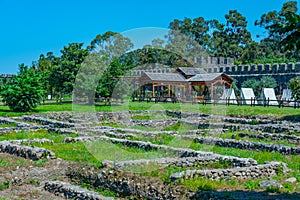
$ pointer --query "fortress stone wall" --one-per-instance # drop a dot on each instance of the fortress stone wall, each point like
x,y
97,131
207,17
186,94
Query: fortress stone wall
x,y
282,72
210,62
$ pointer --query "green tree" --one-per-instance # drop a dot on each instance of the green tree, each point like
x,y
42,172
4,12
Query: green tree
x,y
184,46
252,83
64,73
289,31
268,82
110,48
270,50
250,52
45,66
295,87
87,79
158,43
196,29
24,92
235,36
283,31
257,85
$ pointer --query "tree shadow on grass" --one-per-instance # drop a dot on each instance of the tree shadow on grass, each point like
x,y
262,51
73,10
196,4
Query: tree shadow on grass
x,y
241,195
292,118
6,112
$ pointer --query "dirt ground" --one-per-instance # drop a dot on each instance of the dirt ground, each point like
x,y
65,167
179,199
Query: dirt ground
x,y
27,181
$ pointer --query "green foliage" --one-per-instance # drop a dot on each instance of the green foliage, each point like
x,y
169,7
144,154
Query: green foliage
x,y
56,137
40,163
9,125
273,189
106,65
109,55
24,92
97,151
295,87
35,182
252,185
254,122
202,184
197,29
100,190
106,193
268,82
284,31
4,186
111,83
232,39
251,83
88,77
64,73
256,85
236,34
45,67
288,27
288,187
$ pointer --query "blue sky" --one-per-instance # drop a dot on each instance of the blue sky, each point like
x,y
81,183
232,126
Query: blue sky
x,y
32,27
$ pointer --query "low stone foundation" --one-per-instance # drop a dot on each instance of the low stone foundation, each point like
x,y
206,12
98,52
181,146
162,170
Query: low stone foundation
x,y
50,122
128,184
182,162
269,128
5,130
252,172
240,144
292,139
32,141
67,190
33,153
4,120
178,152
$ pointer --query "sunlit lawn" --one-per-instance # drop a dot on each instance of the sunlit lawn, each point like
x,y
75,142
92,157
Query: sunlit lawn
x,y
184,107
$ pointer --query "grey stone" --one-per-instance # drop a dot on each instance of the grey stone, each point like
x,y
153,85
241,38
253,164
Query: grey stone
x,y
269,183
291,180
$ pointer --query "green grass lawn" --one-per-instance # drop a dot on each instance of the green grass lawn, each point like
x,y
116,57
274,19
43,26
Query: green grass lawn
x,y
56,137
286,112
293,161
96,152
8,125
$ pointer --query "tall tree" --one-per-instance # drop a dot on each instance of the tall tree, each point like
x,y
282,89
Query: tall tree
x,y
64,73
233,36
283,29
45,66
87,79
110,48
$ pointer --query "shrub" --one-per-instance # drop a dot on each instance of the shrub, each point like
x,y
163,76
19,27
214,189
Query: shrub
x,y
24,91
